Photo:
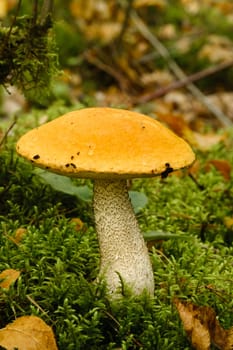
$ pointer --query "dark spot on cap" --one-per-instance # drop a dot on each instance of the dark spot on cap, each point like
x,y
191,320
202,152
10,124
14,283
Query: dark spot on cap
x,y
36,156
72,157
73,165
67,165
78,153
167,171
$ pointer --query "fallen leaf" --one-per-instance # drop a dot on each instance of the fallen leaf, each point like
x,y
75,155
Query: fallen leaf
x,y
3,8
27,333
217,49
229,340
139,200
19,234
106,31
223,166
198,334
228,222
6,6
205,142
95,19
78,224
194,168
142,3
157,78
176,123
202,327
8,277
64,184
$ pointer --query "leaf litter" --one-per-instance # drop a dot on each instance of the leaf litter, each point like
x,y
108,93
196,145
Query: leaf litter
x,y
202,326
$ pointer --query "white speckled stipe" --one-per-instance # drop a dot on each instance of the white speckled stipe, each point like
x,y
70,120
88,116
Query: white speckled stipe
x,y
124,254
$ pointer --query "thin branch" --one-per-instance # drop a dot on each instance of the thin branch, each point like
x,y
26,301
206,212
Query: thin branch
x,y
46,10
36,305
35,12
124,27
183,82
177,71
6,39
88,55
7,132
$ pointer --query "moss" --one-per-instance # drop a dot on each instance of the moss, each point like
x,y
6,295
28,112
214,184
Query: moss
x,y
28,57
58,264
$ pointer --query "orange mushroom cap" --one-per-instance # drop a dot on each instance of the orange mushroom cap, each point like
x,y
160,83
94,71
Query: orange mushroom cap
x,y
105,143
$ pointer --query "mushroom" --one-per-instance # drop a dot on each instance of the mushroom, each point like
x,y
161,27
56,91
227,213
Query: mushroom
x,y
110,146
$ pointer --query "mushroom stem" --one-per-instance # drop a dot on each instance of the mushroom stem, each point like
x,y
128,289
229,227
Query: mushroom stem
x,y
124,258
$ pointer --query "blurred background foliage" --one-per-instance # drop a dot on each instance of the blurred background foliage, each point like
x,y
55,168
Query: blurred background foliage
x,y
101,45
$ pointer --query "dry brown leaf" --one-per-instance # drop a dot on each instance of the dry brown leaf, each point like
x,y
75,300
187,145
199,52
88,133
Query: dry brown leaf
x,y
95,19
206,141
202,327
28,333
198,334
223,166
158,78
167,32
218,49
177,124
195,168
89,9
104,31
8,277
229,340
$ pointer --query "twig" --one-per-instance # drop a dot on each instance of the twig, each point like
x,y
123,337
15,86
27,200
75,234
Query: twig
x,y
128,10
7,132
88,55
6,39
35,12
177,71
183,82
46,10
118,326
36,305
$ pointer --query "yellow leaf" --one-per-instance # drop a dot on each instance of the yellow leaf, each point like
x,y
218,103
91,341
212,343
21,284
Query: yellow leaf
x,y
3,8
6,6
78,224
19,234
28,333
8,277
142,3
228,222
